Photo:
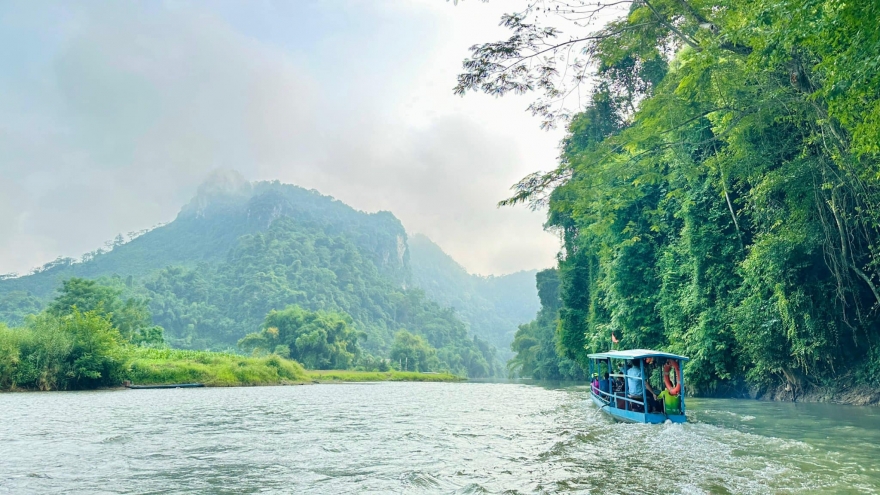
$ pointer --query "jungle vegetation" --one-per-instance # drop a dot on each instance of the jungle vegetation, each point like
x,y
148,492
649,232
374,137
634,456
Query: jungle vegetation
x,y
318,340
719,194
78,351
245,260
68,348
537,349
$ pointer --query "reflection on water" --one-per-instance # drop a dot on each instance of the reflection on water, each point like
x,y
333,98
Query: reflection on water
x,y
422,438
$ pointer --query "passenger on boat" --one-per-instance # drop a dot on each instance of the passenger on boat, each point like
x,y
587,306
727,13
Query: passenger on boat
x,y
595,384
671,403
618,388
634,387
654,405
605,384
617,382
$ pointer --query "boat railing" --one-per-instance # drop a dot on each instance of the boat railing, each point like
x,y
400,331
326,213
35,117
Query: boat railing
x,y
612,395
603,394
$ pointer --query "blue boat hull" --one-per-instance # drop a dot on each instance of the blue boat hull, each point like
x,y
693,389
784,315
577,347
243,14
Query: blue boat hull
x,y
636,417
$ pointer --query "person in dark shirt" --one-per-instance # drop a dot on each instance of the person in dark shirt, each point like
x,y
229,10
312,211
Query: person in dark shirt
x,y
605,384
617,383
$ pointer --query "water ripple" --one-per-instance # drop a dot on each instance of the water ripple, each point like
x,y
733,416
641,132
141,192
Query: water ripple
x,y
473,438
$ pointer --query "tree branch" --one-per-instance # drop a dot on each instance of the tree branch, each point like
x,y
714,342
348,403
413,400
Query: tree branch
x,y
672,28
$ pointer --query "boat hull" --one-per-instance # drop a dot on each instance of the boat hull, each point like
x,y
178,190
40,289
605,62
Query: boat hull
x,y
634,416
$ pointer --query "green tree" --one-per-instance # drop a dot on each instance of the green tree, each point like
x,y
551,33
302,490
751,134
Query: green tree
x,y
413,353
317,339
10,356
62,352
130,316
16,305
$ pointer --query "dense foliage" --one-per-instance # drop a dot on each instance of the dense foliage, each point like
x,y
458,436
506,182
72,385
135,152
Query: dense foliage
x,y
319,340
82,340
535,344
291,263
130,316
72,351
64,348
16,305
413,353
719,196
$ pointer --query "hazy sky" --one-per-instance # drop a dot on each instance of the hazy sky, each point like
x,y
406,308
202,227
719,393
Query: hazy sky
x,y
112,113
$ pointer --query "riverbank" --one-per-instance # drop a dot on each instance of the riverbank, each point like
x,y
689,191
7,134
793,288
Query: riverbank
x,y
342,376
845,392
217,369
214,369
854,395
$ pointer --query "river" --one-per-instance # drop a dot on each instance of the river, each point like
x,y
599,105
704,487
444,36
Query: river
x,y
466,438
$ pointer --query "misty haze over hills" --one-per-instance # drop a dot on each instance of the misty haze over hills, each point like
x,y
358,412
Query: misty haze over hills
x,y
492,306
238,250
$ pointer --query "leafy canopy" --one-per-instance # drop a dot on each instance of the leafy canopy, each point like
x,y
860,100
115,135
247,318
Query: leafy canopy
x,y
317,339
718,194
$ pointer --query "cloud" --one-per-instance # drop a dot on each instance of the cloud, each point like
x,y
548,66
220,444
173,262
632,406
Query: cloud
x,y
443,181
141,106
115,112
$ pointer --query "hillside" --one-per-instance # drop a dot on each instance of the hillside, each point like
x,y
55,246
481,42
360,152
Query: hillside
x,y
239,250
492,306
225,208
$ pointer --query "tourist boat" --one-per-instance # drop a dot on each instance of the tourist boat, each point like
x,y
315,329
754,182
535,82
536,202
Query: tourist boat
x,y
612,397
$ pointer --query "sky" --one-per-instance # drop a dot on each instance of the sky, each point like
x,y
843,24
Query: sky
x,y
112,113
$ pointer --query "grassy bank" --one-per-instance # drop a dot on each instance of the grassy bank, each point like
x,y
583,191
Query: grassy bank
x,y
215,369
337,376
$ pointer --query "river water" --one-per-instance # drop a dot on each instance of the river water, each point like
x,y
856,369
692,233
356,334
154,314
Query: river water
x,y
466,438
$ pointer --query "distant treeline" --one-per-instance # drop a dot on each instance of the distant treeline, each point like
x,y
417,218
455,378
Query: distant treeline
x,y
90,336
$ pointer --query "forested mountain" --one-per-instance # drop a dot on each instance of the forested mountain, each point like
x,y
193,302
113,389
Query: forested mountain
x,y
238,251
719,196
492,306
225,208
535,342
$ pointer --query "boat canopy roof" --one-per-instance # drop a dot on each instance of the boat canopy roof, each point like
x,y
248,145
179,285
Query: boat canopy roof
x,y
635,354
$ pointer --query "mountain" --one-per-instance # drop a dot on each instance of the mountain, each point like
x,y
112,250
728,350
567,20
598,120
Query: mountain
x,y
226,208
492,306
239,250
